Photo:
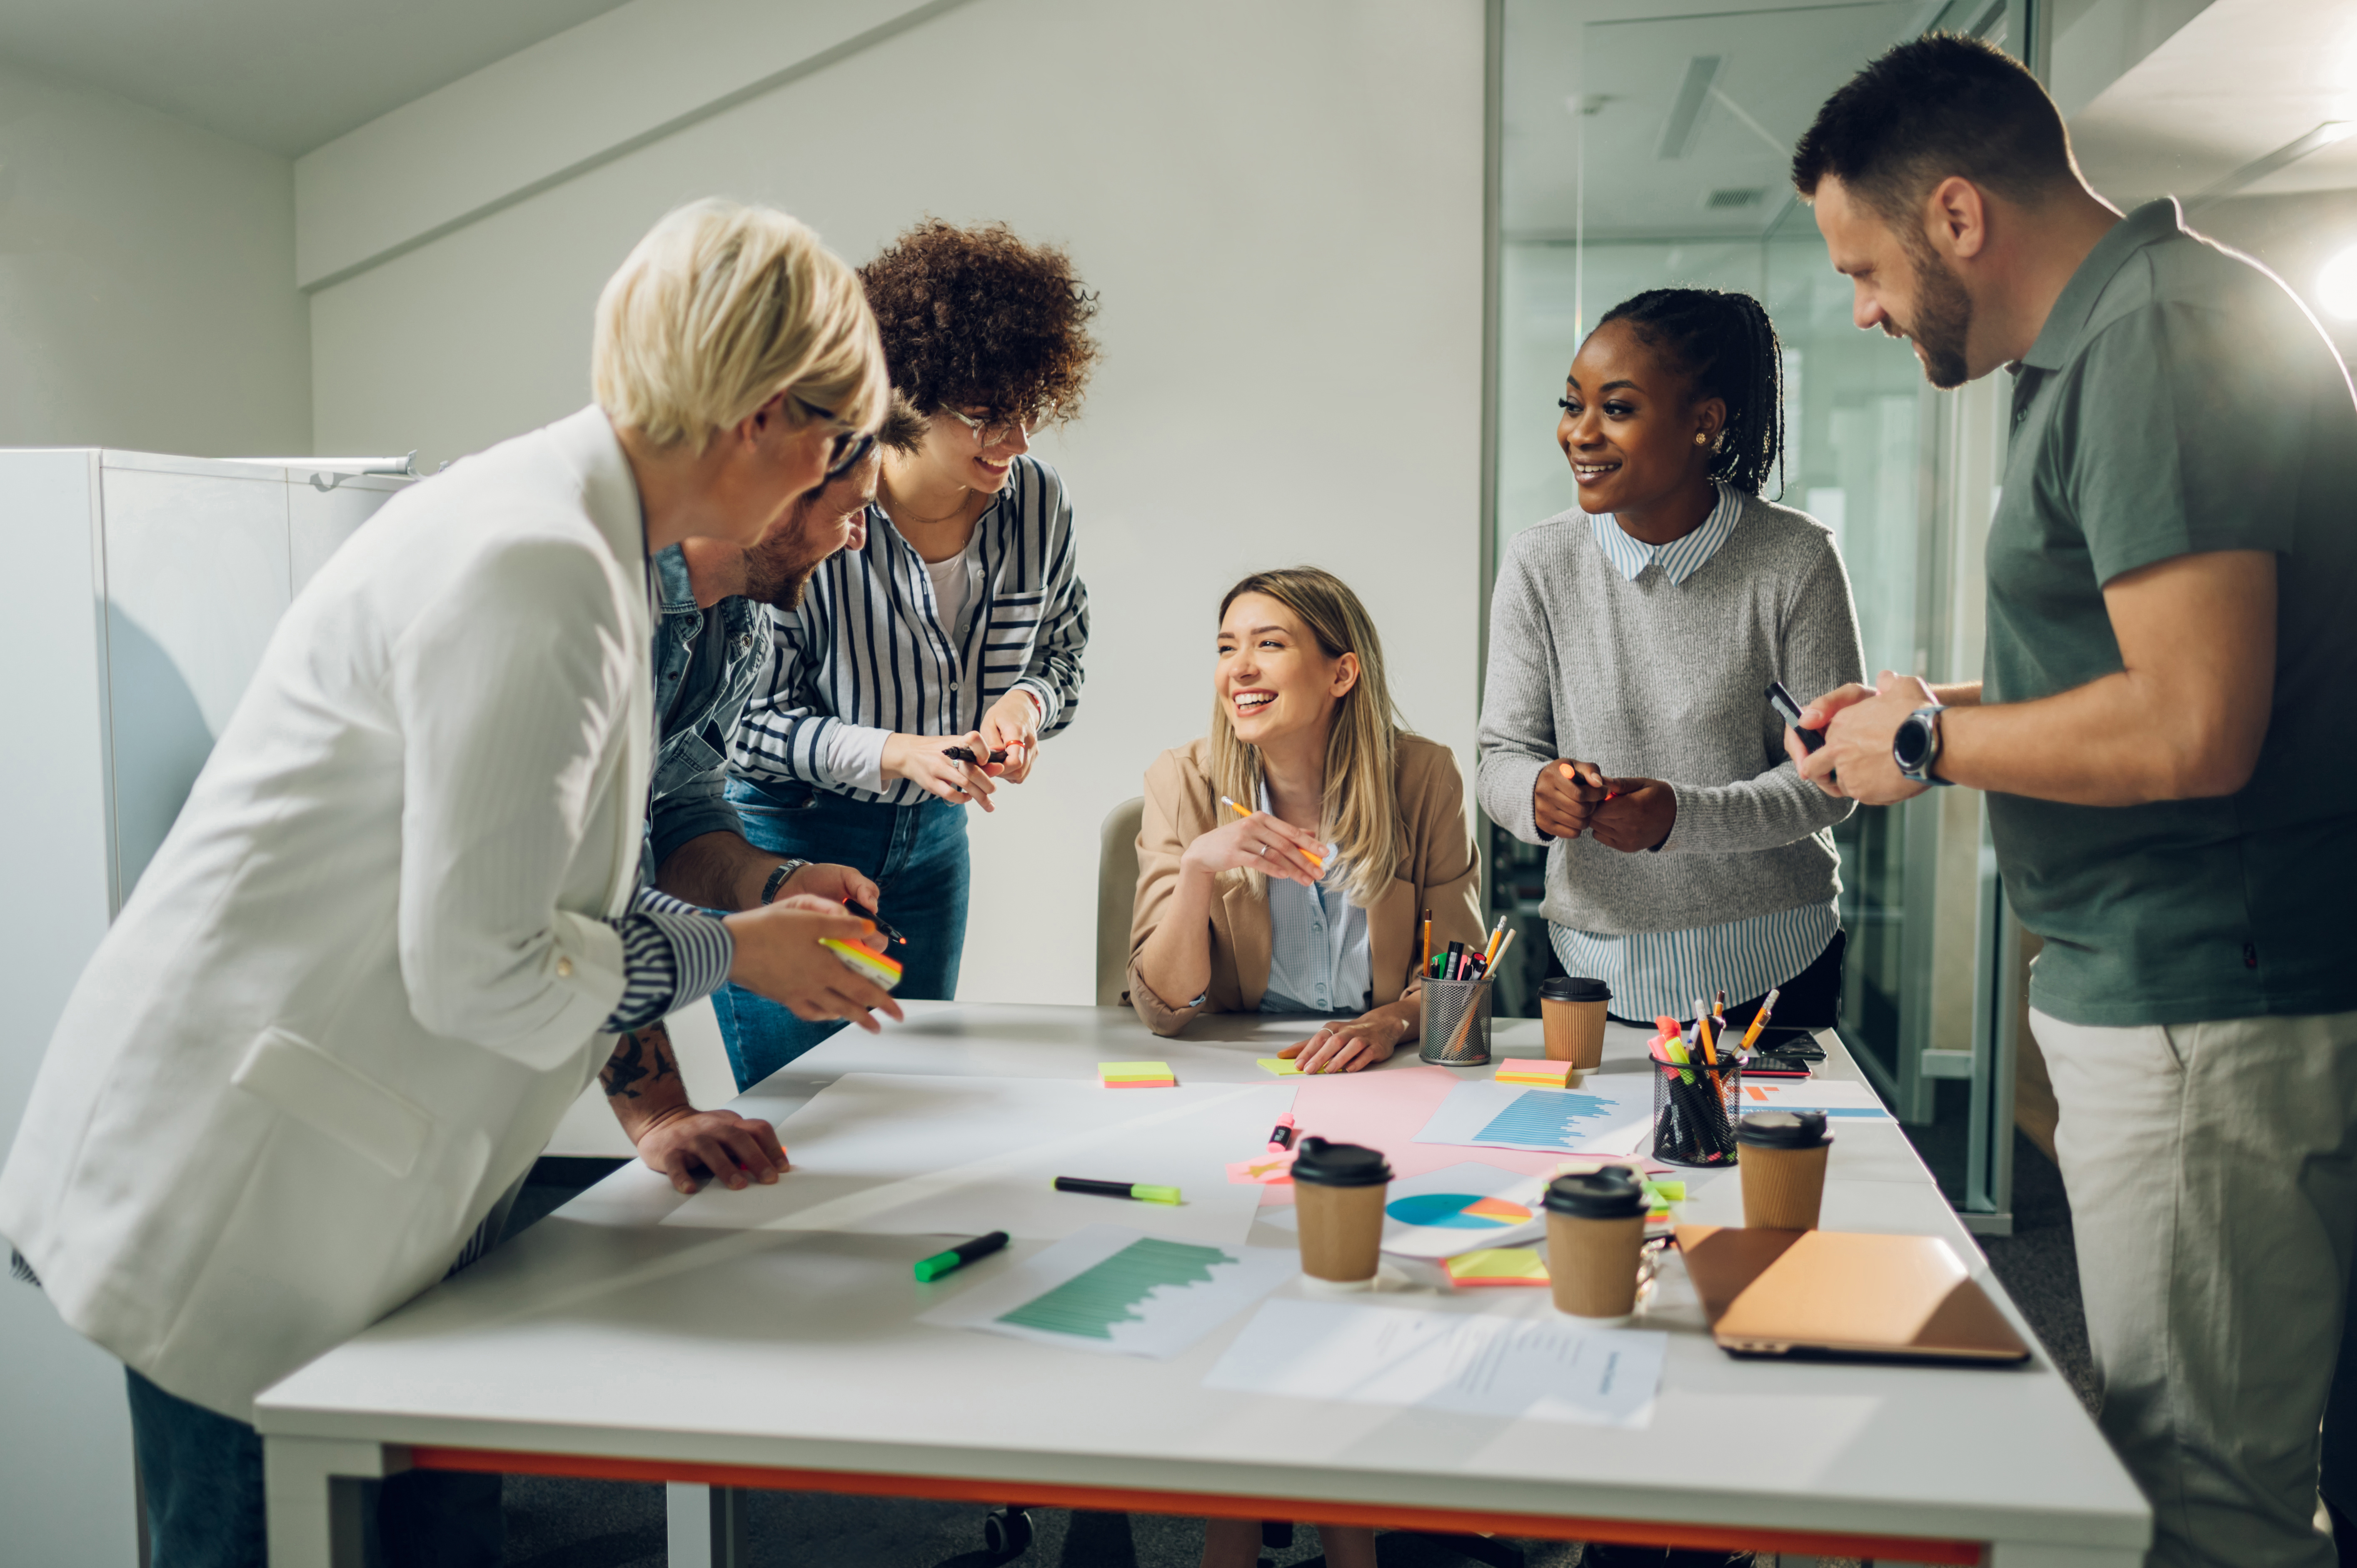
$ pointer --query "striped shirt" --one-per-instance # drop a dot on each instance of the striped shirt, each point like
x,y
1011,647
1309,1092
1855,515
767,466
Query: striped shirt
x,y
866,654
1318,957
1656,973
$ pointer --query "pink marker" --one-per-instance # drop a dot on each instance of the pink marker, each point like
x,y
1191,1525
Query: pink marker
x,y
1280,1137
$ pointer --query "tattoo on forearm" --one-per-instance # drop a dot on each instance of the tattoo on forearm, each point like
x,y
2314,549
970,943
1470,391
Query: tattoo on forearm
x,y
643,1054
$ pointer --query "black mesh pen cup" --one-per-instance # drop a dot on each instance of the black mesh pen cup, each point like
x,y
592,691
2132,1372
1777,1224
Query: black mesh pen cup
x,y
1456,1022
1696,1107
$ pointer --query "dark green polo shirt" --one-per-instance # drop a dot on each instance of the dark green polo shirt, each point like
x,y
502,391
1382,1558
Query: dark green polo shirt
x,y
2179,400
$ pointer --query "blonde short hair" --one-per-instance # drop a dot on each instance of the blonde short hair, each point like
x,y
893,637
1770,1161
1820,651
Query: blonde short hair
x,y
721,307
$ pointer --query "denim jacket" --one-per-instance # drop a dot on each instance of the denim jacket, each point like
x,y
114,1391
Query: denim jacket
x,y
707,661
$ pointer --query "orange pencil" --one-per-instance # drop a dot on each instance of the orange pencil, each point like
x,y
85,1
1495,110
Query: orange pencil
x,y
1424,961
1317,860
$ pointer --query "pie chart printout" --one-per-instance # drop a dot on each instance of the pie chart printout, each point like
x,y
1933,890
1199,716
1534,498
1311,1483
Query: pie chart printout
x,y
1456,1211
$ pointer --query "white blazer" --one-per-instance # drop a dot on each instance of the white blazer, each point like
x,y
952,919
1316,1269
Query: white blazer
x,y
365,975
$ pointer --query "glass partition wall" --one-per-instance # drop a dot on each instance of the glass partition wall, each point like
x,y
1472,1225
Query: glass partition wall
x,y
1637,150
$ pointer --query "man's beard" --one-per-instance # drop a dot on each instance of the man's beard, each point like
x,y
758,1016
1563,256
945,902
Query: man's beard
x,y
1943,319
775,575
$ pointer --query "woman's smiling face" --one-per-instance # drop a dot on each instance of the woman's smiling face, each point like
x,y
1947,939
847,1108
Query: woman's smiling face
x,y
1627,426
1272,676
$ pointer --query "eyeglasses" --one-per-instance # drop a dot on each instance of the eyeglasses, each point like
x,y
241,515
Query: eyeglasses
x,y
1002,431
847,450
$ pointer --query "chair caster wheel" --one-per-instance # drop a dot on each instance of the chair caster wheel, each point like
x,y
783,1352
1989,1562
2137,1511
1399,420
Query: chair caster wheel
x,y
1007,1533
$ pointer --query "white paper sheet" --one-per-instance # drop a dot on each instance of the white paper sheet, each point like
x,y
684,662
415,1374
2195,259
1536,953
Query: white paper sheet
x,y
1840,1101
1111,1289
1420,1221
1609,1113
1536,1368
915,1154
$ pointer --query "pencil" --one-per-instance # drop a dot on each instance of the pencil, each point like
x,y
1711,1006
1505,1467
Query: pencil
x,y
1759,1019
1317,860
1424,960
1490,949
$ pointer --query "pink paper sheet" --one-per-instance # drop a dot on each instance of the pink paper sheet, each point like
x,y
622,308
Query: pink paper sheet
x,y
1384,1107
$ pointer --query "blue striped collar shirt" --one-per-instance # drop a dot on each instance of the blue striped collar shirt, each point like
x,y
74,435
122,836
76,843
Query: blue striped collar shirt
x,y
1320,960
1680,558
866,653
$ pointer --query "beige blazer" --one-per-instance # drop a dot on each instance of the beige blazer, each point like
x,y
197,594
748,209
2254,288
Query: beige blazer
x,y
366,973
1442,873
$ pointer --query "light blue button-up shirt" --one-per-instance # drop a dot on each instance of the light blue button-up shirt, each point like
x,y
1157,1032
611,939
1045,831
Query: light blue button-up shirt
x,y
1319,959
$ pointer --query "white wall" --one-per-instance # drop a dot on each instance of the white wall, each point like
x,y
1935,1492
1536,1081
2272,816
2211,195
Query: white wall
x,y
147,300
1281,207
147,294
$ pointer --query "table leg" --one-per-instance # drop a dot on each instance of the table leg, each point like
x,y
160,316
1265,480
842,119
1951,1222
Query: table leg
x,y
706,1525
312,1491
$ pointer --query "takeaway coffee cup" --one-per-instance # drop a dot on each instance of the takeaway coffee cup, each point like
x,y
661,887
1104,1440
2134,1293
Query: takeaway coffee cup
x,y
1782,1155
1596,1229
1571,1011
1337,1192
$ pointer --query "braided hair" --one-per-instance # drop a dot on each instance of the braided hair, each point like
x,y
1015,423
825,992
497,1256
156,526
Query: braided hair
x,y
1726,347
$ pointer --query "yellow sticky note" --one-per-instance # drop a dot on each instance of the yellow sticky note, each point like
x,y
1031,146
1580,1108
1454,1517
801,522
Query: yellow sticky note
x,y
1548,1074
1497,1266
1136,1075
1277,1065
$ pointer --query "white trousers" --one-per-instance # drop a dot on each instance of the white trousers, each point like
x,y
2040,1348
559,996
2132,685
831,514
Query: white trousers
x,y
2213,1175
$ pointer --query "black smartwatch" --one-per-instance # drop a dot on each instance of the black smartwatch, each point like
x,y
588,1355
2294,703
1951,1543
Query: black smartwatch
x,y
1916,748
779,877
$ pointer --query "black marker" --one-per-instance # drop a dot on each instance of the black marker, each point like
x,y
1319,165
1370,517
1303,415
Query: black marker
x,y
960,754
882,926
1789,712
1141,1191
959,1256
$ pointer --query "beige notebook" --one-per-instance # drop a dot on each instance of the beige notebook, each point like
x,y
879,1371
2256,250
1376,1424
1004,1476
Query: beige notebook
x,y
1831,1292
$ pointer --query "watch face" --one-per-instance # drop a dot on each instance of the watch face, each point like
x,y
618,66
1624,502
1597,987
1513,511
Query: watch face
x,y
1907,747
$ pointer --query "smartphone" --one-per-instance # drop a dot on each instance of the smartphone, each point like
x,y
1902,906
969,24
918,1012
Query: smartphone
x,y
1797,1043
1775,1064
1789,712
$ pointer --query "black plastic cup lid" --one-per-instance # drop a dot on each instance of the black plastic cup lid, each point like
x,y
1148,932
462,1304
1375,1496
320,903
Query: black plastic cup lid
x,y
1782,1128
1572,988
1321,1163
1608,1194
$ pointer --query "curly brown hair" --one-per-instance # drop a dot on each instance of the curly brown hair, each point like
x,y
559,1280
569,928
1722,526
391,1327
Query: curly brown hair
x,y
976,319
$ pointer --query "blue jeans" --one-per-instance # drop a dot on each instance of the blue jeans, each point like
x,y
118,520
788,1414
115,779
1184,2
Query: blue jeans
x,y
201,1472
915,855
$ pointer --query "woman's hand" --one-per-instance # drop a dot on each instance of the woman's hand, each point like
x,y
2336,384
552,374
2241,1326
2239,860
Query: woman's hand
x,y
831,885
1012,726
1566,796
777,956
1637,814
1348,1048
1257,842
921,759
692,1146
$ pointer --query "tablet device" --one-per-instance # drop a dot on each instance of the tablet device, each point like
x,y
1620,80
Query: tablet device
x,y
1832,1293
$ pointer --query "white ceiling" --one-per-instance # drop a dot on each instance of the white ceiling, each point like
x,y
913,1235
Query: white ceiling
x,y
2241,79
284,75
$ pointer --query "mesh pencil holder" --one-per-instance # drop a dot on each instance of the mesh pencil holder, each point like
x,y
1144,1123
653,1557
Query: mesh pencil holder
x,y
1694,1109
1456,1022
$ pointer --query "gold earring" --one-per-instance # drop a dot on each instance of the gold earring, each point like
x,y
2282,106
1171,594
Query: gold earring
x,y
1702,438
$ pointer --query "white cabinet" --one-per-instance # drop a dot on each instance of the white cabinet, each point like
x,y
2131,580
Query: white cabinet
x,y
136,594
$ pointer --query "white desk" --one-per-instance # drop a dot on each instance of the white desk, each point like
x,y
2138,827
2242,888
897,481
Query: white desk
x,y
602,1344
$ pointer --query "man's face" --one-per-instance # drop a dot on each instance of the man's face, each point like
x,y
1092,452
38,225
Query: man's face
x,y
833,518
1900,284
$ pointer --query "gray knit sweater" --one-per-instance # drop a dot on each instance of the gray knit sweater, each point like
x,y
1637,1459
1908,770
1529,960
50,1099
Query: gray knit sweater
x,y
1658,679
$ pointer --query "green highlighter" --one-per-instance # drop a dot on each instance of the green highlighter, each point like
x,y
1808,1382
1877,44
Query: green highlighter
x,y
1138,1190
957,1257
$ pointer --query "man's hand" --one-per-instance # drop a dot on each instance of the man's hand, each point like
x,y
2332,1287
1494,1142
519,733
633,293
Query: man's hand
x,y
921,759
1012,726
1565,796
1635,815
829,883
1858,726
1352,1047
777,956
692,1146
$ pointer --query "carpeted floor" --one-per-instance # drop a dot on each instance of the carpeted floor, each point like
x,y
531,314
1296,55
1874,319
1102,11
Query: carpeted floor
x,y
608,1524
